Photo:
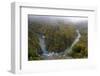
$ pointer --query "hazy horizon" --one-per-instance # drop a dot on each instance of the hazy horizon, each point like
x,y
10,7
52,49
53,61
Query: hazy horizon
x,y
56,19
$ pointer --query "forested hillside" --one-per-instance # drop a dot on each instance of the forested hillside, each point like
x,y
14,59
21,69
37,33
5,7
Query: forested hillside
x,y
58,36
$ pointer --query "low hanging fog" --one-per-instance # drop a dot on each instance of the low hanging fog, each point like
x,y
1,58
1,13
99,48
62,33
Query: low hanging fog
x,y
56,19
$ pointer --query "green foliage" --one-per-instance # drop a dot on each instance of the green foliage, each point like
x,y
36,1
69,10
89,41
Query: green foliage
x,y
58,38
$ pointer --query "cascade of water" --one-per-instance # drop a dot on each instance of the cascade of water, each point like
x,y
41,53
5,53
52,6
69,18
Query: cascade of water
x,y
77,38
42,44
74,43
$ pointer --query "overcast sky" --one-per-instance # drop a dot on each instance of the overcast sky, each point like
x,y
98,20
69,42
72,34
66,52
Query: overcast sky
x,y
55,19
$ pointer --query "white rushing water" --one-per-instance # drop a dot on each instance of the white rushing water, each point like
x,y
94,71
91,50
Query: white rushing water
x,y
42,44
77,38
46,54
74,42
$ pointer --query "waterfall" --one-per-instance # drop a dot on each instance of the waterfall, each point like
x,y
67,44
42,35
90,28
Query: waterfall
x,y
42,44
74,43
46,54
77,38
